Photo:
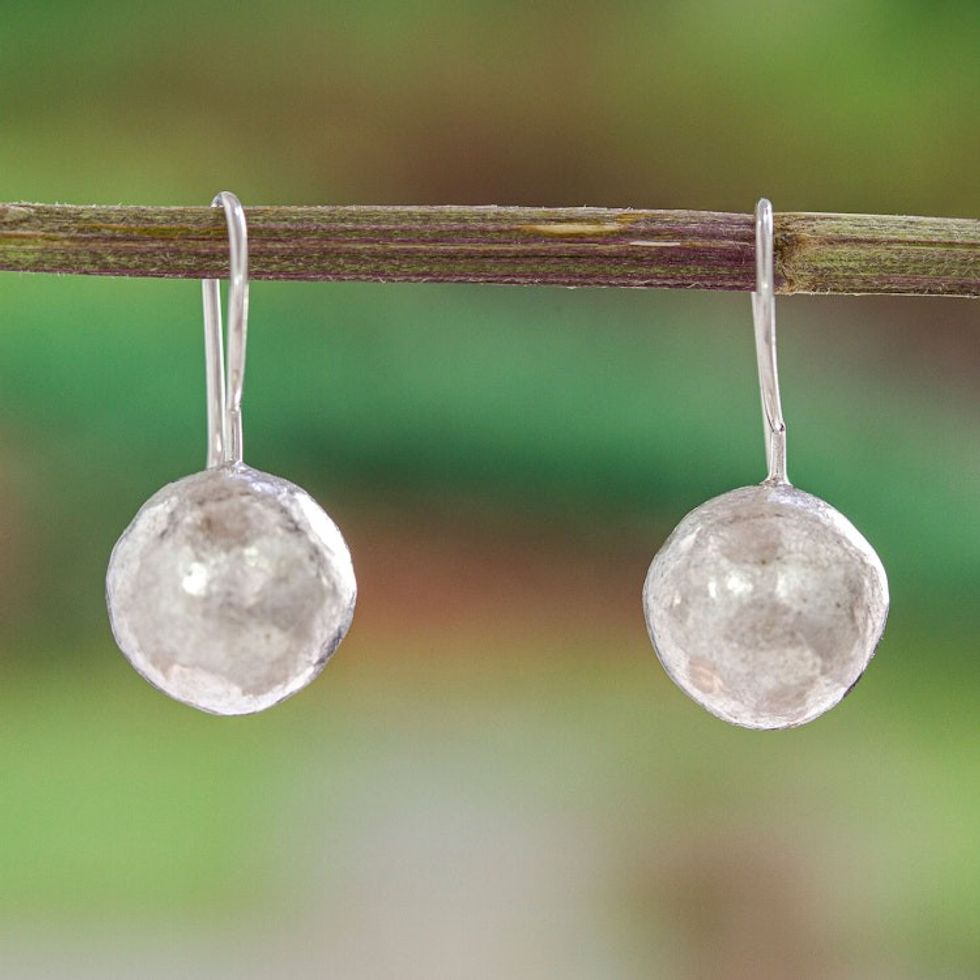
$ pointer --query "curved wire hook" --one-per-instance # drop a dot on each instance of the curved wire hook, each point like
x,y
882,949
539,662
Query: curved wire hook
x,y
224,396
764,315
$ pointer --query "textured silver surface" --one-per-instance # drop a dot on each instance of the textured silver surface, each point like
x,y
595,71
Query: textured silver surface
x,y
765,605
230,589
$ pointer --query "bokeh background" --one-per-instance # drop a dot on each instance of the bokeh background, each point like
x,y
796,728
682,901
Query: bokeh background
x,y
493,778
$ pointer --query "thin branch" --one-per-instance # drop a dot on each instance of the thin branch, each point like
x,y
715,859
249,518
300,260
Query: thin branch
x,y
815,253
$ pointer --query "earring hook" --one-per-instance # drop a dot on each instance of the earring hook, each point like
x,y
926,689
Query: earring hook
x,y
764,315
224,395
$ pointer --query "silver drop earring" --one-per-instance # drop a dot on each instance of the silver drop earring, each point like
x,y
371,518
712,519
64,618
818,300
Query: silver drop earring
x,y
765,604
231,588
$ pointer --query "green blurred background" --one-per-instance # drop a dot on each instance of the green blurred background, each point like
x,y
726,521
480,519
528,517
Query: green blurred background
x,y
494,778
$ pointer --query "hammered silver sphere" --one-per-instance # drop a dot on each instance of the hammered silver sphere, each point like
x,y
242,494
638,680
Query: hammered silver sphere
x,y
765,606
230,589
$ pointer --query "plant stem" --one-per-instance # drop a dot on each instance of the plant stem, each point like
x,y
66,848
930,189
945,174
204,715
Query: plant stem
x,y
815,253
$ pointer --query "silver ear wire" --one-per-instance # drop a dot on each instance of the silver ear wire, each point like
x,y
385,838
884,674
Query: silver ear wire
x,y
224,395
764,315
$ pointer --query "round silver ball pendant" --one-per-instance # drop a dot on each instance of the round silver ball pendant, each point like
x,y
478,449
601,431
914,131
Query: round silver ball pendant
x,y
765,606
230,589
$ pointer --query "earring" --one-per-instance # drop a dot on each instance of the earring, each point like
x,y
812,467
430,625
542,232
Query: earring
x,y
231,588
765,604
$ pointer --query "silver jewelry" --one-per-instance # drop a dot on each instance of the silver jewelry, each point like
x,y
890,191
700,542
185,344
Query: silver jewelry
x,y
231,588
765,604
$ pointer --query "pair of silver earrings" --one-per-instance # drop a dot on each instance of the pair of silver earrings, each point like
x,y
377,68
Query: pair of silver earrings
x,y
231,588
